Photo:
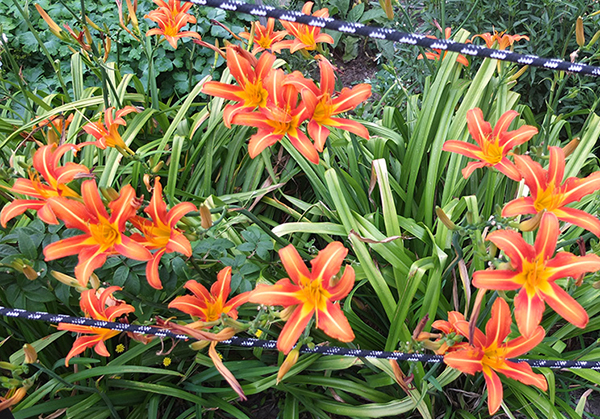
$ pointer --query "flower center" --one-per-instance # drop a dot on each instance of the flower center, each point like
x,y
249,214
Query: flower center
x,y
307,38
494,356
105,234
171,30
323,110
282,122
264,41
255,94
213,310
533,275
313,294
493,152
548,199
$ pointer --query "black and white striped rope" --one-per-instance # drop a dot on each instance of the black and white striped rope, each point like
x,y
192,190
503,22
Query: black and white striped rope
x,y
272,344
375,32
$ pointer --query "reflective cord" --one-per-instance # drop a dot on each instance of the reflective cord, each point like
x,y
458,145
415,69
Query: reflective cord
x,y
271,344
375,32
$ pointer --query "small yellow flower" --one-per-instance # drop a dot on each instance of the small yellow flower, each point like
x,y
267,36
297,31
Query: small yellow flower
x,y
167,361
258,333
120,348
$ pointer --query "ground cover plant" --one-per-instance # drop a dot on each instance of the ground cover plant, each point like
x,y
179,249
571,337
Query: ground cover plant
x,y
252,190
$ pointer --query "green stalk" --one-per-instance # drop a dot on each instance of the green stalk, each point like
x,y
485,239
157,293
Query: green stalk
x,y
151,78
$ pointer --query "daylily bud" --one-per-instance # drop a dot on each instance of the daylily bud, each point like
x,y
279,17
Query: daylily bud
x,y
67,280
92,24
30,354
386,5
289,362
594,39
532,223
107,43
54,28
29,272
518,73
570,148
159,166
579,33
444,219
201,344
7,366
205,217
110,194
131,9
286,313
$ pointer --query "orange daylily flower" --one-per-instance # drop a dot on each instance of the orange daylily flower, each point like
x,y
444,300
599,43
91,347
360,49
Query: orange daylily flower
x,y
96,308
490,354
251,75
107,134
210,306
437,55
160,234
550,193
322,106
306,37
171,16
103,234
282,116
264,37
45,163
492,146
534,271
503,39
308,293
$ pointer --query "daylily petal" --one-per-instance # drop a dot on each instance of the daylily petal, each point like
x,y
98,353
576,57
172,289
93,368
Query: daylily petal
x,y
519,206
328,262
178,211
132,249
318,133
80,345
117,311
304,146
293,264
514,138
503,123
580,218
495,392
565,305
496,279
479,129
152,270
157,209
464,148
343,287
350,126
498,327
100,349
333,322
293,328
179,243
522,344
222,288
92,200
261,140
189,305
522,372
123,208
90,259
18,207
198,290
556,166
226,91
535,176
227,375
568,265
578,188
529,310
466,360
545,241
73,213
65,247
283,293
471,167
513,245
508,168
462,328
